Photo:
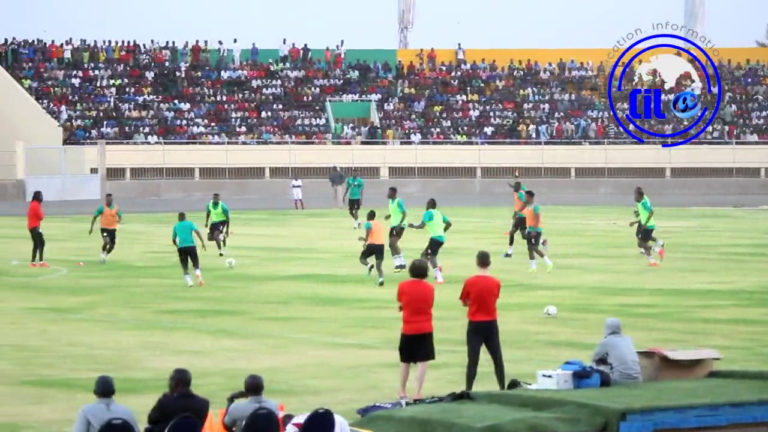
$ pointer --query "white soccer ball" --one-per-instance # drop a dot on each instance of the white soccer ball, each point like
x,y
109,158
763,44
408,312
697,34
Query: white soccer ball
x,y
550,311
230,262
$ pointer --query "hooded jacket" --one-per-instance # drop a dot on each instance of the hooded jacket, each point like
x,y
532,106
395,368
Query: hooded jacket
x,y
618,352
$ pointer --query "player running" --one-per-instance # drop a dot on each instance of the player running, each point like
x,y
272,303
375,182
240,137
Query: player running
x,y
373,245
646,225
518,218
218,213
396,218
34,217
185,243
298,197
534,232
355,186
111,217
437,224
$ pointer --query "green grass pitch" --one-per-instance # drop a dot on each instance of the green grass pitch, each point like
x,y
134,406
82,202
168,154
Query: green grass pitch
x,y
299,309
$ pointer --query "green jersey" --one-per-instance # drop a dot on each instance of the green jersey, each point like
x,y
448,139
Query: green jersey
x,y
396,210
219,212
645,208
183,234
435,222
355,186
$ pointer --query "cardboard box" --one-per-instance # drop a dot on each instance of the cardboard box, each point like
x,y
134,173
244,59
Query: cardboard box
x,y
659,364
554,380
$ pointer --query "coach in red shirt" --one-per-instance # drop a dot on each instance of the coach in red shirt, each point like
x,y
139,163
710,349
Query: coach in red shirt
x,y
34,218
416,297
479,295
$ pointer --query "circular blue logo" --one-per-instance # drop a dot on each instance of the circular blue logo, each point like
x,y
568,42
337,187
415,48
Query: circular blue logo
x,y
691,85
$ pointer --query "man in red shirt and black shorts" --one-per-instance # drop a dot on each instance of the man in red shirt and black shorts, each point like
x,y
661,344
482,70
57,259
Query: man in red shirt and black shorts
x,y
479,295
416,298
34,217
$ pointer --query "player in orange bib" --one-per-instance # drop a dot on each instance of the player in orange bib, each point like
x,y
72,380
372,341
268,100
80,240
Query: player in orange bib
x,y
373,245
110,218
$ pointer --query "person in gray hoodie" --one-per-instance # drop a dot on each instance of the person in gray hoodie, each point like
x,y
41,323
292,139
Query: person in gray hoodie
x,y
616,354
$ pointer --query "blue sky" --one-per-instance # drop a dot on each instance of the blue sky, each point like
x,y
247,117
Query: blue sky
x,y
373,23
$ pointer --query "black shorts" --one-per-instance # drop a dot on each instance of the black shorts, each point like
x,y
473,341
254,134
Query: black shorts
x,y
396,232
354,204
433,247
416,348
216,227
533,238
110,234
376,250
519,224
186,254
645,234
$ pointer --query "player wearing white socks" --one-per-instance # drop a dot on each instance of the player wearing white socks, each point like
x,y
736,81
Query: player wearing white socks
x,y
534,232
185,243
397,224
437,224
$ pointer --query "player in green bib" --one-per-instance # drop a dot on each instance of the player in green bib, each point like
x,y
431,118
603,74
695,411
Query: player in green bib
x,y
397,224
218,214
437,224
646,224
355,186
184,241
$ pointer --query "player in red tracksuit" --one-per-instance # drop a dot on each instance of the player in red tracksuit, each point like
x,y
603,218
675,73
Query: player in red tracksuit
x,y
34,217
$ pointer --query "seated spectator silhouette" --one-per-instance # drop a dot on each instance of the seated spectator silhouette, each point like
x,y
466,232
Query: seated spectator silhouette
x,y
179,400
105,412
319,420
262,419
615,356
237,412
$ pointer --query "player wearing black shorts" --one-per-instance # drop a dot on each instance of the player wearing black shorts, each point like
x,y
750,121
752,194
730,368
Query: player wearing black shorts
x,y
437,224
184,241
534,232
218,214
518,218
397,223
373,245
111,217
355,186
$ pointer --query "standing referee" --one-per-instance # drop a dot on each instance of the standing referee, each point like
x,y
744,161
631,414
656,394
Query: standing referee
x,y
479,295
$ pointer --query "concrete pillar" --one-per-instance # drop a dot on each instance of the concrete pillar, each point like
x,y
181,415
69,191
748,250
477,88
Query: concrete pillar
x,y
573,172
266,173
101,158
668,172
127,174
21,166
384,173
197,173
762,173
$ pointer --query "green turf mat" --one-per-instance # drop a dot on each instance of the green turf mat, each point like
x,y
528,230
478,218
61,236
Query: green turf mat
x,y
567,411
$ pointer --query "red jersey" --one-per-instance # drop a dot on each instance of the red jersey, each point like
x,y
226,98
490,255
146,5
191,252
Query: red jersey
x,y
34,215
416,298
480,294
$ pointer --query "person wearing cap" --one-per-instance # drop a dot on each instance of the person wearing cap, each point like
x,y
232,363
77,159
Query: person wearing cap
x,y
237,412
92,416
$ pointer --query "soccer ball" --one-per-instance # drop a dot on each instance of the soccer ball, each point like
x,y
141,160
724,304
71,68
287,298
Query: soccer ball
x,y
230,262
550,311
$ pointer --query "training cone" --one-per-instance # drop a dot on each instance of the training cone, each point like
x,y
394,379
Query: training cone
x,y
280,414
208,426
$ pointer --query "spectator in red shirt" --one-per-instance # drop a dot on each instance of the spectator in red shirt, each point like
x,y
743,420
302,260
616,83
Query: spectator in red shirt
x,y
294,53
196,48
34,217
479,295
416,297
432,59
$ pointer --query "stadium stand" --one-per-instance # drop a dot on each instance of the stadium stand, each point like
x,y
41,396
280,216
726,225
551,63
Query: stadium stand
x,y
126,91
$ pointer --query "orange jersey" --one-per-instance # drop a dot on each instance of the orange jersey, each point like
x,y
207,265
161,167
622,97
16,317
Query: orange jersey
x,y
377,234
532,217
519,201
109,216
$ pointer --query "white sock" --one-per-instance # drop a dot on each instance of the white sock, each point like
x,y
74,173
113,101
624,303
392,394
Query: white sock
x,y
187,278
509,251
655,249
547,260
401,260
438,274
533,263
659,243
198,273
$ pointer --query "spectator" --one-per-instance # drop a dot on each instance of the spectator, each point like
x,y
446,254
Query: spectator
x,y
93,416
196,49
432,59
254,54
177,401
306,54
479,296
284,51
294,53
235,53
616,356
460,56
237,412
416,298
337,179
296,423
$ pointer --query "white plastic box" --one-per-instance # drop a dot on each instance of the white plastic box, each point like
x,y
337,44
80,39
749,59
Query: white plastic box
x,y
554,380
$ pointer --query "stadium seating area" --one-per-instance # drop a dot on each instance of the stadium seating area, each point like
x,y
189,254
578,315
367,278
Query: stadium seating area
x,y
152,93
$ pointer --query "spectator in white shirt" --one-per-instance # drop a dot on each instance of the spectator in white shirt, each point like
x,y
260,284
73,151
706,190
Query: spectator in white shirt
x,y
284,51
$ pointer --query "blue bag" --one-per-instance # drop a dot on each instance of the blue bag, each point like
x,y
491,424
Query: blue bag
x,y
583,376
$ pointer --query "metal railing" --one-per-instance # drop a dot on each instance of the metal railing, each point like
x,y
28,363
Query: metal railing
x,y
404,142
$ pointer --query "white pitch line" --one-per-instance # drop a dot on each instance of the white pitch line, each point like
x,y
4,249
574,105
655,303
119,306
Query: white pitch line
x,y
61,272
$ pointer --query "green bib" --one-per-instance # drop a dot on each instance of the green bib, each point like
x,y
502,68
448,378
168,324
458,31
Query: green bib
x,y
644,212
395,213
217,214
436,226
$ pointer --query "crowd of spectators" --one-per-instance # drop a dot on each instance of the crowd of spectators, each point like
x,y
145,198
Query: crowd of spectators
x,y
123,90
